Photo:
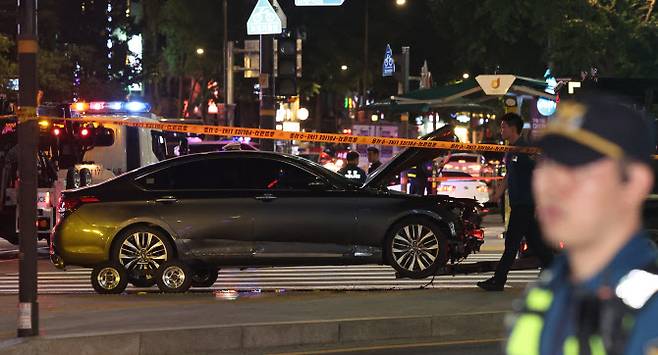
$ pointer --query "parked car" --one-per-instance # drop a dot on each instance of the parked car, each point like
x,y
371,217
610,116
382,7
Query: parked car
x,y
196,145
473,164
462,185
251,208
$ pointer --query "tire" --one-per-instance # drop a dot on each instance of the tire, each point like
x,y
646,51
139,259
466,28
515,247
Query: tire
x,y
131,250
174,277
72,179
85,177
416,248
109,278
205,277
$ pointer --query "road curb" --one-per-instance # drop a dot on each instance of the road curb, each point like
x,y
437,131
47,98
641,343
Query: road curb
x,y
252,337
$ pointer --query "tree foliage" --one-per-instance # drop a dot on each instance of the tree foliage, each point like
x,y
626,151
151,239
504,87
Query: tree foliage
x,y
522,36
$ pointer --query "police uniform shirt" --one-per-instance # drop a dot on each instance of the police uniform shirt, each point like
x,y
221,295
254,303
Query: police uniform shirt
x,y
353,172
519,175
560,319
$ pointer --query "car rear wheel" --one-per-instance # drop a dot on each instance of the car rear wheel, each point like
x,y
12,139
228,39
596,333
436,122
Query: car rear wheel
x,y
416,248
174,277
109,278
205,277
142,250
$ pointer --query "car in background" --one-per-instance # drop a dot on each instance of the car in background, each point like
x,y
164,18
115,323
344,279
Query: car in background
x,y
462,185
253,208
196,145
473,164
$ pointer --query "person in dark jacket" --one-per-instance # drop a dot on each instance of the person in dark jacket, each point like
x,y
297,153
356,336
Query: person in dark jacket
x,y
522,221
352,170
373,159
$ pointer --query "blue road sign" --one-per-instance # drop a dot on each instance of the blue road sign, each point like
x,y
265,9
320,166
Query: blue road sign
x,y
319,2
388,68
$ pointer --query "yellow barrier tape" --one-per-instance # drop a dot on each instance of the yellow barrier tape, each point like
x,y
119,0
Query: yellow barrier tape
x,y
26,113
306,136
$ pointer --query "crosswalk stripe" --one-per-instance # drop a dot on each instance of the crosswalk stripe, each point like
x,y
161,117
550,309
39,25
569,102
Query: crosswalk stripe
x,y
321,277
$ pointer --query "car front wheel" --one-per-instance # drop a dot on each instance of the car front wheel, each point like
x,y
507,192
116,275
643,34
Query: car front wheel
x,y
416,248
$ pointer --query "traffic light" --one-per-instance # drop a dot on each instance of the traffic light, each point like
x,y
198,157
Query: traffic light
x,y
286,63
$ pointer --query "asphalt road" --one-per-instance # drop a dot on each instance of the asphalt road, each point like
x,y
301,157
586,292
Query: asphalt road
x,y
470,347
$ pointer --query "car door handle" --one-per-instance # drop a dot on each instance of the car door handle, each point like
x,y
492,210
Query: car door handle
x,y
166,199
266,198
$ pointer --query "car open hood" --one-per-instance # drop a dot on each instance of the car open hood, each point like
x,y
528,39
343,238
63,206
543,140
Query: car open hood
x,y
410,157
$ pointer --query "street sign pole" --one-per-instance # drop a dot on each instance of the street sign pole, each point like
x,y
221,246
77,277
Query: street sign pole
x,y
266,80
265,22
28,135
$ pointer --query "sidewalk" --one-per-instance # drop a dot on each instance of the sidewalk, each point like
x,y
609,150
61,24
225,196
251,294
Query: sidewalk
x,y
202,323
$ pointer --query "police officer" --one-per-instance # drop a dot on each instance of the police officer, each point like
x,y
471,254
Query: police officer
x,y
599,297
522,221
352,170
373,159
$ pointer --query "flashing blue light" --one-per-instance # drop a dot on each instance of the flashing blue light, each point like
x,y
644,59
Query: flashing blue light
x,y
115,105
135,106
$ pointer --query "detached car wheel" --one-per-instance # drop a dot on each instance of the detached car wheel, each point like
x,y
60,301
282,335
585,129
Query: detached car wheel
x,y
416,248
174,277
142,250
204,277
72,179
85,177
109,278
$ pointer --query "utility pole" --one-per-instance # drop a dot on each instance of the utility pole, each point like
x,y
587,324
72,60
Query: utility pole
x,y
228,71
28,136
266,81
365,54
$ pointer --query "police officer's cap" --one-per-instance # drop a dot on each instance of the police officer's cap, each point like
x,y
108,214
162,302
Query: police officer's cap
x,y
596,127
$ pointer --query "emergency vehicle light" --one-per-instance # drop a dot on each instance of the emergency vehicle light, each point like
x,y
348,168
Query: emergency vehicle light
x,y
135,106
114,106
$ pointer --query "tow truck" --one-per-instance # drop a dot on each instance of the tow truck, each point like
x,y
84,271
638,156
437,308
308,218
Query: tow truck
x,y
74,153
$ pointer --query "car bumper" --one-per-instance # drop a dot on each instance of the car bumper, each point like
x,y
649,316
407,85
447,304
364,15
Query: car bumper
x,y
75,242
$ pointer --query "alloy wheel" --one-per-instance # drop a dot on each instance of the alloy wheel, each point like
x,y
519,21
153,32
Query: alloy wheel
x,y
143,252
173,277
108,278
415,247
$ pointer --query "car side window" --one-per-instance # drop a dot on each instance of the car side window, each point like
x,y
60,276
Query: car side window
x,y
267,174
207,174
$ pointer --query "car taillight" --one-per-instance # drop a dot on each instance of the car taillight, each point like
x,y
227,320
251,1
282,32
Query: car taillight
x,y
69,204
447,188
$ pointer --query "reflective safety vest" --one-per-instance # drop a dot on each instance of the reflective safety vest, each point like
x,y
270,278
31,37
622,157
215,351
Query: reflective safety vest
x,y
606,318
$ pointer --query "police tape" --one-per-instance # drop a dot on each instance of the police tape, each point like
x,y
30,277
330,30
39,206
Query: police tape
x,y
260,133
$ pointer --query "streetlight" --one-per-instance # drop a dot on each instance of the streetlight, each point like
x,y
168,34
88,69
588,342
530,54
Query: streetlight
x,y
343,67
200,51
400,2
